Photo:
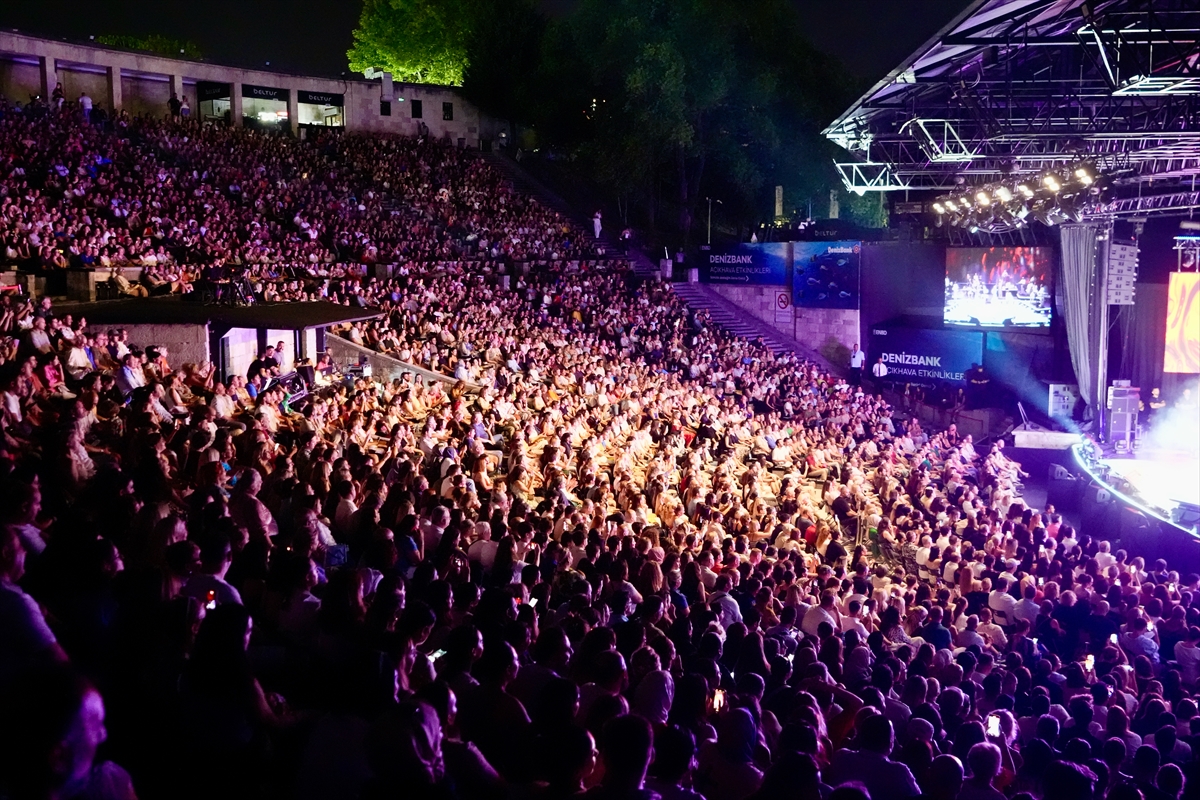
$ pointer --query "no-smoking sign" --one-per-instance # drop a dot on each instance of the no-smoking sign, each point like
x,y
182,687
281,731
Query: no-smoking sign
x,y
783,300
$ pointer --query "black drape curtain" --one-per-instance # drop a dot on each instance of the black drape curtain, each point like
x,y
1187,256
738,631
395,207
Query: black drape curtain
x,y
1141,332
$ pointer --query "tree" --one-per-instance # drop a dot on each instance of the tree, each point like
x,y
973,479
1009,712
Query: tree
x,y
154,43
417,41
505,46
661,71
660,102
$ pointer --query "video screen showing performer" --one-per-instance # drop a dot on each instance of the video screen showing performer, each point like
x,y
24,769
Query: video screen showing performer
x,y
998,287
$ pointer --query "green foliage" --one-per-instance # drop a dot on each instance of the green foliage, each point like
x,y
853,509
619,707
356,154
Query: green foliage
x,y
154,43
505,43
418,41
868,210
661,102
698,98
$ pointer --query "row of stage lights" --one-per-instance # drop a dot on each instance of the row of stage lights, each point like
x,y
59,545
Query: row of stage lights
x,y
1052,199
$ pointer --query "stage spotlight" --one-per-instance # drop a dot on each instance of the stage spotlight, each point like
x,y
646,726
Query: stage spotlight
x,y
939,208
1084,175
1003,193
1051,183
950,205
1003,218
1025,191
983,199
1041,211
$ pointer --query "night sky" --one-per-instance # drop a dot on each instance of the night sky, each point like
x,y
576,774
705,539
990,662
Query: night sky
x,y
312,36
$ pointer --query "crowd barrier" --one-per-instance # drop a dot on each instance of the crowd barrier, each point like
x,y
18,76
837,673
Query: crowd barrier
x,y
383,367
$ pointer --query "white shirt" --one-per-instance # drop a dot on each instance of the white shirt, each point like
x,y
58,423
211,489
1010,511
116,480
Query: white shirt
x,y
484,552
224,405
854,624
995,633
857,359
814,617
726,608
1189,661
341,516
1004,602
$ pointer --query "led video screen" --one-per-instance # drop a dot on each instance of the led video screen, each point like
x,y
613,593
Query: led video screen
x,y
1182,353
998,288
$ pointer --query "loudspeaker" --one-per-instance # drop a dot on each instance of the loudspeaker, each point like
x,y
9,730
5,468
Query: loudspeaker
x,y
1186,515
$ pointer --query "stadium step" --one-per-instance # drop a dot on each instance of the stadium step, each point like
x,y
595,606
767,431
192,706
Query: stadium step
x,y
525,183
522,181
739,321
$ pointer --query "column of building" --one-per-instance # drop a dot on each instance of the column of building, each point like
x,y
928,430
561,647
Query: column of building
x,y
114,88
235,103
49,71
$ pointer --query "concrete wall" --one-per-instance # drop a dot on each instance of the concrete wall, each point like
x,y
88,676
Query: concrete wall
x,y
19,81
310,344
383,368
186,344
362,112
288,338
241,348
76,82
145,97
762,302
830,331
146,81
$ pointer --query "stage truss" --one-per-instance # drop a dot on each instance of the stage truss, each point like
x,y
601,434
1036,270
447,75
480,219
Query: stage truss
x,y
1018,87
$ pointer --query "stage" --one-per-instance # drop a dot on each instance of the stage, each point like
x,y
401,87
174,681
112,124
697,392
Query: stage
x,y
986,310
1160,479
1144,503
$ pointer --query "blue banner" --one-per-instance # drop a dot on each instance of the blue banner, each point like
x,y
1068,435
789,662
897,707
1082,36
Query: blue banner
x,y
826,274
760,264
921,355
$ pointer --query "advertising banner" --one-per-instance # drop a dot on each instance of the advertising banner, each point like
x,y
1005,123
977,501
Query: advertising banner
x,y
759,264
826,274
207,90
264,92
1182,352
320,98
925,354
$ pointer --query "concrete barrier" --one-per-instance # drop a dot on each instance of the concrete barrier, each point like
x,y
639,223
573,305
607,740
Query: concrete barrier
x,y
383,368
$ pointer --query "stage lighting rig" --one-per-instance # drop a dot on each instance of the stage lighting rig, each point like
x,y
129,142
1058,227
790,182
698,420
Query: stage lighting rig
x,y
1052,198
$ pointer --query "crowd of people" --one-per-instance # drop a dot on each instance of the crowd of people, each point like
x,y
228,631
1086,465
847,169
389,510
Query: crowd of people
x,y
173,196
621,553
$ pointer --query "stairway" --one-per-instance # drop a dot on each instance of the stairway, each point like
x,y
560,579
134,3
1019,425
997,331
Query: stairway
x,y
525,183
741,322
